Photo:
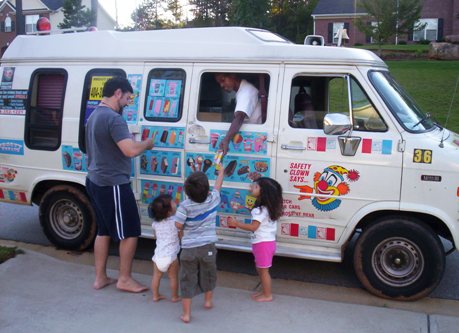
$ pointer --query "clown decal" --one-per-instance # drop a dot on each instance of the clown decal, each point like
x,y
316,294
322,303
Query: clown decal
x,y
332,181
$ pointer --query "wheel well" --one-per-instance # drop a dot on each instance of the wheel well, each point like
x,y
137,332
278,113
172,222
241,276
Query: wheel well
x,y
42,187
437,225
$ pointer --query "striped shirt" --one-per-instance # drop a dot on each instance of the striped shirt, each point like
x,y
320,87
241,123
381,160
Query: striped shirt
x,y
199,220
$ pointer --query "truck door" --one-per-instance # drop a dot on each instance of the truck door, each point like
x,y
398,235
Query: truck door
x,y
249,157
164,112
331,181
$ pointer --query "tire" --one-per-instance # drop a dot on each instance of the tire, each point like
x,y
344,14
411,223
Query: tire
x,y
399,258
67,218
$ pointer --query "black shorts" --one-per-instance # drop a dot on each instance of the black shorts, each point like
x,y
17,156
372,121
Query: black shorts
x,y
116,210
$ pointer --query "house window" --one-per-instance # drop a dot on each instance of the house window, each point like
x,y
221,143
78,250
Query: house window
x,y
44,109
8,27
374,26
337,26
31,23
429,32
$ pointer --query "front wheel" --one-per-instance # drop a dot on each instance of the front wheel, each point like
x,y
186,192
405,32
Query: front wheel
x,y
399,258
67,217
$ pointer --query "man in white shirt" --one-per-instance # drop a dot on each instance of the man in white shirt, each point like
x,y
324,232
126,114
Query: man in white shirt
x,y
248,106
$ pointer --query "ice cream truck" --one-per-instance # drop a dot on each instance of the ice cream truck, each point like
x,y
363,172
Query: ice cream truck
x,y
361,162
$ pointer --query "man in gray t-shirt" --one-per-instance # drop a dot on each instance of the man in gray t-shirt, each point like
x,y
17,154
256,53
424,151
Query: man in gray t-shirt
x,y
110,147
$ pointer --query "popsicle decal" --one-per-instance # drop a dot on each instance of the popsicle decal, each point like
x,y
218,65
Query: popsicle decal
x,y
165,137
74,159
237,168
151,189
162,163
164,99
242,142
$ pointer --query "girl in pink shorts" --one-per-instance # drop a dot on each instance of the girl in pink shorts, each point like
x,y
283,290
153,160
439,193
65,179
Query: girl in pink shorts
x,y
267,210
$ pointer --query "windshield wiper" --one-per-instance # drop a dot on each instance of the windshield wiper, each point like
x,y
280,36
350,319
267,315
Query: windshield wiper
x,y
426,116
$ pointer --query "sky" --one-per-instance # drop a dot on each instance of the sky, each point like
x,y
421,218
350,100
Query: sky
x,y
125,9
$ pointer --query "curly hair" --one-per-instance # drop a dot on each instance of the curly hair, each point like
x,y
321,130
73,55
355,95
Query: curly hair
x,y
160,208
270,197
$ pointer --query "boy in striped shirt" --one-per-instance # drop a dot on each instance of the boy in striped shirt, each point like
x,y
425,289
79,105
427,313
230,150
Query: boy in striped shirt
x,y
196,216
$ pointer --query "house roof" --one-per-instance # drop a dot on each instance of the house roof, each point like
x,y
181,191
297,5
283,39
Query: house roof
x,y
337,7
53,4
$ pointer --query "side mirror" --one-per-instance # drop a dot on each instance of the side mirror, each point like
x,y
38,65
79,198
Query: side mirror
x,y
337,124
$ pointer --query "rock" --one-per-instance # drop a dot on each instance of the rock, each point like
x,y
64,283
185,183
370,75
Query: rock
x,y
452,39
444,51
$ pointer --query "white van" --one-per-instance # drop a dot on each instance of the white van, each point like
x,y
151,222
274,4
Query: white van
x,y
363,160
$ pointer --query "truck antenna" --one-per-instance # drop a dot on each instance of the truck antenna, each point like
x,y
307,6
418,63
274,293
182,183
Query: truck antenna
x,y
449,111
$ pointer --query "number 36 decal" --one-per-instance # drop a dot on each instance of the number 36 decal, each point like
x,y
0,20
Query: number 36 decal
x,y
422,156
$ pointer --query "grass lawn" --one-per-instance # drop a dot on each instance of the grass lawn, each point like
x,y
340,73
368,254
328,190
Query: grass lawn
x,y
7,253
432,85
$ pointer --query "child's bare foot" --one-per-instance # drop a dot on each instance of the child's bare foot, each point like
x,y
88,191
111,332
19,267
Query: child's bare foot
x,y
185,319
158,297
263,298
131,285
175,299
256,294
208,305
102,283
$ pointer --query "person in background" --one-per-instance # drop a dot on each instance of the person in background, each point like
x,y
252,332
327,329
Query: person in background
x,y
248,105
197,216
110,148
162,210
265,214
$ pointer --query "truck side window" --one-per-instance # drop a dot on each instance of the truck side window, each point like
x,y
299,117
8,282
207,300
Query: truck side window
x,y
218,103
92,95
43,125
164,98
311,97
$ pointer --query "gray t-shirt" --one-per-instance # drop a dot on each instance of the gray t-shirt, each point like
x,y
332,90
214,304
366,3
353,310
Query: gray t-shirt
x,y
107,165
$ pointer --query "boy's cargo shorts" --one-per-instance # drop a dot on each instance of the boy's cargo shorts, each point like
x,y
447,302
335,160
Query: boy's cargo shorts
x,y
198,270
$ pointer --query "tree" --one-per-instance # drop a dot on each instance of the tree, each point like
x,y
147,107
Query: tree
x,y
292,18
390,17
249,13
175,7
75,15
146,15
210,12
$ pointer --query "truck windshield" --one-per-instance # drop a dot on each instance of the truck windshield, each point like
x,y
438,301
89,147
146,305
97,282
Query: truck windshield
x,y
404,108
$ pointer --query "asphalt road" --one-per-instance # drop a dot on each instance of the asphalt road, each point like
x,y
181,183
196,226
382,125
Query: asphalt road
x,y
20,223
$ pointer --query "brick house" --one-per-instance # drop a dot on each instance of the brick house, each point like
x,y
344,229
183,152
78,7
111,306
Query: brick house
x,y
441,18
33,10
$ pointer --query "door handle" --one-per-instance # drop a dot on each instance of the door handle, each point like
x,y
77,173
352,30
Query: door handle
x,y
205,140
287,147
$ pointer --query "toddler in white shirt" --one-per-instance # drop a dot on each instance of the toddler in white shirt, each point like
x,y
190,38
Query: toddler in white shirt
x,y
162,210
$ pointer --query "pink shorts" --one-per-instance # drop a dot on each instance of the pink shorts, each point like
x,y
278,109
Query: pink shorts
x,y
264,253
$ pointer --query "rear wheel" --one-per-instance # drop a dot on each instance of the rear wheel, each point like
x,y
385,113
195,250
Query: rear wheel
x,y
67,217
399,258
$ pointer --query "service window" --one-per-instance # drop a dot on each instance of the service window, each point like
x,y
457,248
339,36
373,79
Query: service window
x,y
312,97
164,98
92,95
218,103
43,125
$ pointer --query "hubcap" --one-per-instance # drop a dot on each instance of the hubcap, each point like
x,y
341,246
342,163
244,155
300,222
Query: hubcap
x,y
397,262
66,219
